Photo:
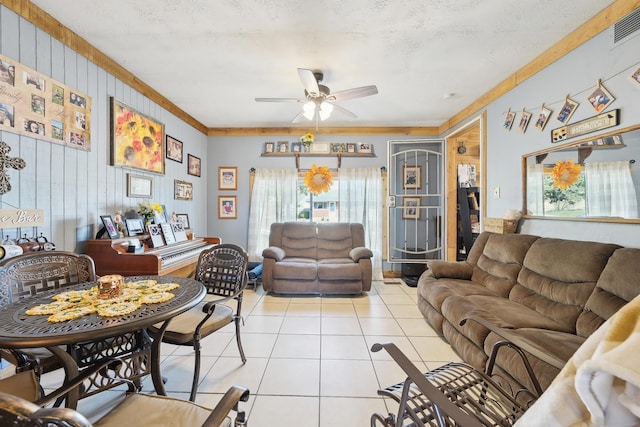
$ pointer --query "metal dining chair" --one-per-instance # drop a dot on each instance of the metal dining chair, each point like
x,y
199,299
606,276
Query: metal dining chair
x,y
222,269
27,275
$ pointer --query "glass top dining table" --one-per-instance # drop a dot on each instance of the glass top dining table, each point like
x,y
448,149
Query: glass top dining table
x,y
84,341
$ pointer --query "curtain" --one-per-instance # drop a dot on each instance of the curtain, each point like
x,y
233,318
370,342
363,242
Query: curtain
x,y
535,189
273,199
361,200
610,190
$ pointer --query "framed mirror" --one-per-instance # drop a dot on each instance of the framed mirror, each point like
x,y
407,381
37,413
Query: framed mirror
x,y
593,179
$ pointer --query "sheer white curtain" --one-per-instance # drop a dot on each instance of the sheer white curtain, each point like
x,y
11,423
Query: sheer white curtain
x,y
610,190
273,199
535,189
361,200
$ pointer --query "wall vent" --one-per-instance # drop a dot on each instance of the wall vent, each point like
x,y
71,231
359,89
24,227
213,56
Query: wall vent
x,y
626,26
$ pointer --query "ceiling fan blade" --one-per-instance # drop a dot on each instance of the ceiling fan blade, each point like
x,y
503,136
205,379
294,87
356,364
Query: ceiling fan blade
x,y
298,118
356,92
309,81
279,100
349,114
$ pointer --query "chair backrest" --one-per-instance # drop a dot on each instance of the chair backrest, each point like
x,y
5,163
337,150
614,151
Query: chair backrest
x,y
222,269
30,274
15,411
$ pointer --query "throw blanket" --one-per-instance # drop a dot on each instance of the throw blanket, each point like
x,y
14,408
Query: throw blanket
x,y
600,384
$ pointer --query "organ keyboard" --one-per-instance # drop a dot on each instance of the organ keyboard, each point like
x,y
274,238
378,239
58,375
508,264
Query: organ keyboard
x,y
176,259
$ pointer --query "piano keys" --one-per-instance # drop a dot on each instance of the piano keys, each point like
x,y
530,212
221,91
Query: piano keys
x,y
177,259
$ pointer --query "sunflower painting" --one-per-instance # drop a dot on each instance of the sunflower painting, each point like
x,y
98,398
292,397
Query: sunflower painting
x,y
136,139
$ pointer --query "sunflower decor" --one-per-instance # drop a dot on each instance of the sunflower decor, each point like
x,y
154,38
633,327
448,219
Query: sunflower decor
x,y
565,174
307,139
318,179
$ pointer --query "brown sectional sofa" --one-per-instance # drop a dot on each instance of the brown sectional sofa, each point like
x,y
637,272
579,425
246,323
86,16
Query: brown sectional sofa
x,y
310,258
548,293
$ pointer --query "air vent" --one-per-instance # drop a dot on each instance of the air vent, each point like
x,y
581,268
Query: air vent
x,y
626,26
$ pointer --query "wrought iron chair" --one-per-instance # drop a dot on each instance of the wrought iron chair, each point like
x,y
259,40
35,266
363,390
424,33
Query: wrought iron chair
x,y
30,274
222,269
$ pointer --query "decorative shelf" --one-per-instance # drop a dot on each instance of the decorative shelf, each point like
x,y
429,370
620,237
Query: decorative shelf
x,y
305,154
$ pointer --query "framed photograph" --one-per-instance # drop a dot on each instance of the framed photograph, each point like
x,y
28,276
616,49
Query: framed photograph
x,y
296,147
363,147
524,122
110,226
351,148
319,147
338,147
410,208
136,139
412,177
227,178
178,231
182,190
174,149
283,146
508,121
139,186
155,233
635,77
600,98
184,219
269,147
543,118
135,226
568,108
193,165
227,207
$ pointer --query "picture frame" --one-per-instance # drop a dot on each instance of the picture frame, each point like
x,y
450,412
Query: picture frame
x,y
174,149
319,147
543,118
412,177
269,147
155,233
635,77
227,207
296,147
509,119
227,178
283,147
364,147
410,208
568,108
182,190
338,147
135,226
600,98
127,151
351,147
193,165
110,226
139,186
524,121
184,219
178,231
167,233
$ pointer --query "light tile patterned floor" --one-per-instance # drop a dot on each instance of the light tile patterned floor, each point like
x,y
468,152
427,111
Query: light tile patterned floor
x,y
309,359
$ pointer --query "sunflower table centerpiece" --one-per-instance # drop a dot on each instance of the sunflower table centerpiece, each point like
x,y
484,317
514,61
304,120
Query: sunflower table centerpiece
x,y
318,179
307,140
148,210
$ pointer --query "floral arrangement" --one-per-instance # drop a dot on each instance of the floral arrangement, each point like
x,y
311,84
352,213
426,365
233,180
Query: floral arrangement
x,y
318,179
306,139
565,174
148,210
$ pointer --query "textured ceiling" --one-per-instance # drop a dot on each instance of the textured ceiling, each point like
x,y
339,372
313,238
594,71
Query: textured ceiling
x,y
429,58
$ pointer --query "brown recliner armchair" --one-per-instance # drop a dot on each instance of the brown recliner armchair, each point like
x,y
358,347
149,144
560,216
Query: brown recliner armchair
x,y
310,258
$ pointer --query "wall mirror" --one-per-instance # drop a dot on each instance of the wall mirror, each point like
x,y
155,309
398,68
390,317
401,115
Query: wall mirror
x,y
593,179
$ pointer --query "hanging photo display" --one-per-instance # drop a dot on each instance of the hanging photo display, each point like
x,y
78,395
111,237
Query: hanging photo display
x,y
35,105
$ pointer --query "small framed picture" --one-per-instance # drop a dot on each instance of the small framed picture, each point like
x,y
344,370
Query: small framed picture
x,y
283,147
135,226
227,207
351,148
568,108
193,165
600,98
269,147
182,190
635,77
319,147
508,121
296,147
184,219
524,122
543,118
174,149
139,185
337,147
412,177
227,178
155,233
363,147
410,209
110,226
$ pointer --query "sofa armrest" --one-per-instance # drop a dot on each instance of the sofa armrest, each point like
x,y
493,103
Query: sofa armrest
x,y
356,254
453,270
275,253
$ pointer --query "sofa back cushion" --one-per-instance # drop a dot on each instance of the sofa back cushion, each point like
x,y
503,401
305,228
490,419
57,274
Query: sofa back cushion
x,y
558,277
298,239
335,240
498,264
617,285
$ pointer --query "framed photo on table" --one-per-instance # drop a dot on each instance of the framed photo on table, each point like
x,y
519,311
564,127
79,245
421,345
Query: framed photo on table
x,y
410,208
110,226
412,177
184,219
227,208
227,178
174,149
135,226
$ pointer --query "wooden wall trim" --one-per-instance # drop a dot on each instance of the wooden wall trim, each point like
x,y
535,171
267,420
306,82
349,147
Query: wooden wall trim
x,y
428,131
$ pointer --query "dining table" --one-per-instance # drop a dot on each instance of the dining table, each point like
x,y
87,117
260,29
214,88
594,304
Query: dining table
x,y
85,341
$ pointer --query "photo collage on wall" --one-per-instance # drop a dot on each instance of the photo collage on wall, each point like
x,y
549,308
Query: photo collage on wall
x,y
35,105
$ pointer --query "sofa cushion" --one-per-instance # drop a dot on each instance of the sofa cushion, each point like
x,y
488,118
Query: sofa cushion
x,y
295,268
437,290
338,269
298,239
334,240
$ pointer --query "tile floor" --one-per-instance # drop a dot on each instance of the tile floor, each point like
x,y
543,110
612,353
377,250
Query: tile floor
x,y
309,362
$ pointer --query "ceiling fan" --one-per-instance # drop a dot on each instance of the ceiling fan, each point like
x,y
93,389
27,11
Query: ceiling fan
x,y
319,102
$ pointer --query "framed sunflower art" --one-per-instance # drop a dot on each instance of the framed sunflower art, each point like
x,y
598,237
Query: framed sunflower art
x,y
137,140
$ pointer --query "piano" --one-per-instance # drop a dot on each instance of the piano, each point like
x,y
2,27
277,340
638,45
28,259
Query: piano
x,y
177,259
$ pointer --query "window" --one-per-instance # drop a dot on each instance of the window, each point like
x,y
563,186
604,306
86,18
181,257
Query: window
x,y
317,208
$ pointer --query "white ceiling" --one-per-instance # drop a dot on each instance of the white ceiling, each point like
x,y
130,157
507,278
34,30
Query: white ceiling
x,y
428,58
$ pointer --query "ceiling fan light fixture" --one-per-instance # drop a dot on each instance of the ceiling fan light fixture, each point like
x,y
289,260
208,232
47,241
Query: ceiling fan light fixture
x,y
309,110
326,108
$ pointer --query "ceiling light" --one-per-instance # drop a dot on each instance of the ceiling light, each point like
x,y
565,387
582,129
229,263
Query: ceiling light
x,y
325,110
309,110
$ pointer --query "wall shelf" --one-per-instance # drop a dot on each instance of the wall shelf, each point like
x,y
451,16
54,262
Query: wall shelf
x,y
298,155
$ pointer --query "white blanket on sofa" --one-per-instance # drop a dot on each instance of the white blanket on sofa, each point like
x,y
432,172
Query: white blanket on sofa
x,y
600,385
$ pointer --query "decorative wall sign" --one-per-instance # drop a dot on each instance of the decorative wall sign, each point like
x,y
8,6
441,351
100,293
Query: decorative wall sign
x,y
5,163
35,105
13,218
592,124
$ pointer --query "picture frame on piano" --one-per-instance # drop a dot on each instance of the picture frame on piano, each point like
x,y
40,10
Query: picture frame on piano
x,y
110,226
155,232
178,231
135,226
184,219
167,231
